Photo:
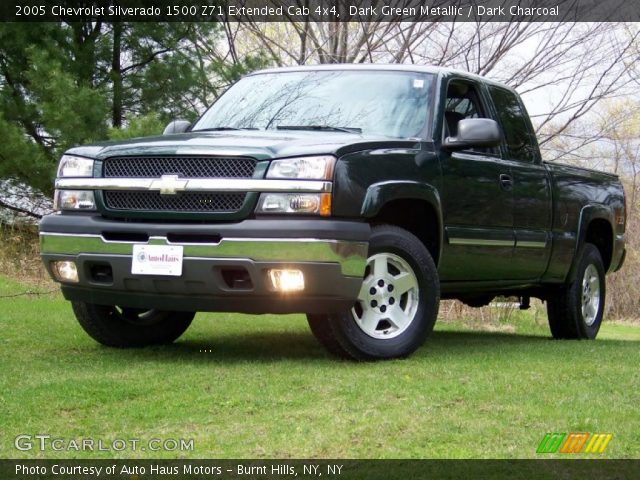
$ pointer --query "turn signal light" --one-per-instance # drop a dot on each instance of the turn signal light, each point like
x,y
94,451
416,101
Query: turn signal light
x,y
325,204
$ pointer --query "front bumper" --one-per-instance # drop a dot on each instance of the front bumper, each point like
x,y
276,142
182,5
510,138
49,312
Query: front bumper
x,y
330,253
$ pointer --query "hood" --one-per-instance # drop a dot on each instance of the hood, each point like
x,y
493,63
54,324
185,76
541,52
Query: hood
x,y
262,145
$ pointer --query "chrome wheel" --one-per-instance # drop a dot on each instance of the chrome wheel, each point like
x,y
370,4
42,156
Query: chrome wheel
x,y
590,295
389,297
397,303
576,309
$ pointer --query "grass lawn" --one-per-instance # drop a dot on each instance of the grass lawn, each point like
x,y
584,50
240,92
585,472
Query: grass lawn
x,y
264,388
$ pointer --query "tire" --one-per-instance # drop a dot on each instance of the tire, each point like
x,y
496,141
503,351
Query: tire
x,y
129,327
383,324
575,311
321,329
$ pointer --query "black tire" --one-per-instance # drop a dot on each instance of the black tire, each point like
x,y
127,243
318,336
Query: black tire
x,y
403,253
127,327
321,329
565,306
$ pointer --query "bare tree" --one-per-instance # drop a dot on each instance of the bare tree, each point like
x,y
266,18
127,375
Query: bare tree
x,y
562,69
620,123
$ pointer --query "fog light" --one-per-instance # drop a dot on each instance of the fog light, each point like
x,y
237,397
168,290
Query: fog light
x,y
286,280
65,271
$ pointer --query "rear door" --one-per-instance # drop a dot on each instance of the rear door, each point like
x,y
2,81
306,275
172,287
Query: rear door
x,y
531,186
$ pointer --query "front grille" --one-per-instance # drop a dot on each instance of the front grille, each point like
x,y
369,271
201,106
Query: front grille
x,y
188,167
184,202
184,167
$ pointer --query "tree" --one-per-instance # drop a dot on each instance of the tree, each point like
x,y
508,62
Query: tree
x,y
63,84
620,123
52,95
568,67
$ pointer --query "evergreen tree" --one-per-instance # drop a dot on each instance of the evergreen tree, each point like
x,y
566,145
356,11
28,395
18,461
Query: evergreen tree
x,y
63,84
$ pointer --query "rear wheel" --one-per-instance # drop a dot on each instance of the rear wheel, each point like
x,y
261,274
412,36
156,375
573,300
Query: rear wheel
x,y
130,327
576,310
397,305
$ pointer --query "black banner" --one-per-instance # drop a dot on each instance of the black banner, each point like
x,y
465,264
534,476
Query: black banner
x,y
321,10
319,469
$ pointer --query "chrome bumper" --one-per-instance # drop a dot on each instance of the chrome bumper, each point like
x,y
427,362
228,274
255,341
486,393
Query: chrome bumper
x,y
350,255
333,266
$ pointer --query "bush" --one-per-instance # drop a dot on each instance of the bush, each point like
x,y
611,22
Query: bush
x,y
623,297
20,253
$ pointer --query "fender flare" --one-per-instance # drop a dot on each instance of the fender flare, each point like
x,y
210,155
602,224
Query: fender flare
x,y
588,213
380,194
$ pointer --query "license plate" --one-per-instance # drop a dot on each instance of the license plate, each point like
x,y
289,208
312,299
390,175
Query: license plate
x,y
157,260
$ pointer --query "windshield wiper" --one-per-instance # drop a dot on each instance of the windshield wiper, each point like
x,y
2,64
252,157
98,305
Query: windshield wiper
x,y
220,129
322,128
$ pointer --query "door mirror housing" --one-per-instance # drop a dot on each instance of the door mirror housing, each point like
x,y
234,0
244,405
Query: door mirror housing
x,y
474,133
176,126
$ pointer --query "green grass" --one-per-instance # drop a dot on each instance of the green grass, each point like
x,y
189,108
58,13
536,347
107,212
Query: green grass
x,y
264,388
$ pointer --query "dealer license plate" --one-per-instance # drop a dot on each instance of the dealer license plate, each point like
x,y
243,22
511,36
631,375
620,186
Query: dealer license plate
x,y
157,260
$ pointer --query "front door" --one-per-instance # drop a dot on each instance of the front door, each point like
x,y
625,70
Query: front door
x,y
477,199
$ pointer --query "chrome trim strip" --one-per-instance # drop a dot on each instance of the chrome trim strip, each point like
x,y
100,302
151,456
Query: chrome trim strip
x,y
351,255
196,184
530,244
481,242
161,238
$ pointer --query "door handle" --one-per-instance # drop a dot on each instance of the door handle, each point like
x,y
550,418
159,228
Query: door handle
x,y
506,182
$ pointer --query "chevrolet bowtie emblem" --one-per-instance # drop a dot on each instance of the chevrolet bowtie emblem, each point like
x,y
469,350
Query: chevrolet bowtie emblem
x,y
169,185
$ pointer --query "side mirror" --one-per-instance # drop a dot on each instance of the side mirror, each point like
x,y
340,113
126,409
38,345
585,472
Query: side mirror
x,y
176,126
474,132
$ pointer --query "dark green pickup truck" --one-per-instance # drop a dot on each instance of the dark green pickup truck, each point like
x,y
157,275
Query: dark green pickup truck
x,y
359,195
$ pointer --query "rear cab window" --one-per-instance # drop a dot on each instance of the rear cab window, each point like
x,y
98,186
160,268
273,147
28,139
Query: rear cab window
x,y
519,141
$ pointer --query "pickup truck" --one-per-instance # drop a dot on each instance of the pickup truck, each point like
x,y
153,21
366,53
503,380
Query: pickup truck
x,y
358,195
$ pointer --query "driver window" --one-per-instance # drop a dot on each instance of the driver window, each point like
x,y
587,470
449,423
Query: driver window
x,y
462,102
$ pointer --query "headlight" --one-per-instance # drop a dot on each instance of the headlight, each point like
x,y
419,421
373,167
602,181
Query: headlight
x,y
74,200
304,203
71,166
306,168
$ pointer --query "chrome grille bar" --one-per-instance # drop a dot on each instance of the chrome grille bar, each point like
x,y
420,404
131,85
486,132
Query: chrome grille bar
x,y
196,184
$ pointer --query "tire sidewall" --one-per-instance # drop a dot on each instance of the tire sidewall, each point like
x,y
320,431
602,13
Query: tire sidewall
x,y
108,327
590,256
387,239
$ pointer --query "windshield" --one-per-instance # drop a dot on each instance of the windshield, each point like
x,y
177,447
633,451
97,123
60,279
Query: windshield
x,y
393,104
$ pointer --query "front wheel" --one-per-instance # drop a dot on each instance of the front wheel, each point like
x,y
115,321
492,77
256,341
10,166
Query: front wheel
x,y
576,310
130,327
397,305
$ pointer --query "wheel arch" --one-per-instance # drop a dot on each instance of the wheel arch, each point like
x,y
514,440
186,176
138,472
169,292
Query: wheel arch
x,y
595,227
410,205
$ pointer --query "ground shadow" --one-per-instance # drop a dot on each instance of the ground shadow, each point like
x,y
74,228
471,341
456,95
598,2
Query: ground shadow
x,y
263,347
270,347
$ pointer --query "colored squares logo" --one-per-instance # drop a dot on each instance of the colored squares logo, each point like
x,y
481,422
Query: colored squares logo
x,y
574,442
